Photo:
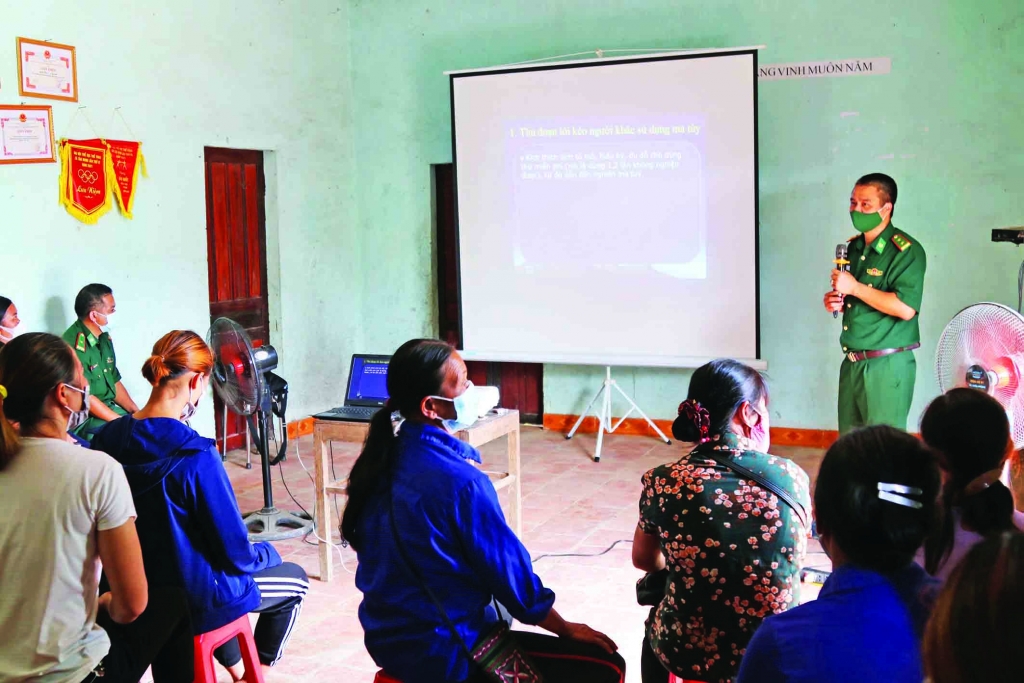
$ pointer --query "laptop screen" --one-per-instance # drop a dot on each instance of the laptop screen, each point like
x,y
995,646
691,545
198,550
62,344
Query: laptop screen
x,y
368,383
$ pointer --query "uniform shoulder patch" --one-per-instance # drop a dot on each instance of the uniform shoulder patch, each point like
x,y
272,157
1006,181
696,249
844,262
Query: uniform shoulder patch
x,y
80,342
901,242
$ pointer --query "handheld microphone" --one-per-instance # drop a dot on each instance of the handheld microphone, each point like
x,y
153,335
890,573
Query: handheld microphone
x,y
842,263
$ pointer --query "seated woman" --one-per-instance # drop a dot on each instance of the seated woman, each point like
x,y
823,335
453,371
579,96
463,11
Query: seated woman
x,y
63,511
9,320
875,502
189,525
732,547
974,631
434,549
969,432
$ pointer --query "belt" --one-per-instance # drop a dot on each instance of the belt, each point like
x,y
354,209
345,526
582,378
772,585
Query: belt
x,y
855,356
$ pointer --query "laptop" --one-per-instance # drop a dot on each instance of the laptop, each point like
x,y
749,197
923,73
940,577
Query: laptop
x,y
367,390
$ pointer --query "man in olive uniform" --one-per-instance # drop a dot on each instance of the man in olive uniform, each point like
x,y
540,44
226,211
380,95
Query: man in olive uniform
x,y
109,399
879,297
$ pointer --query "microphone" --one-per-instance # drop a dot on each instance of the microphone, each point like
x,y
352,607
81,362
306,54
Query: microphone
x,y
842,263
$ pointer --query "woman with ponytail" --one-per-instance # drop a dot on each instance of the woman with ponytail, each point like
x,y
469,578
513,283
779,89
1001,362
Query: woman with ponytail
x,y
733,546
434,550
970,433
63,512
190,527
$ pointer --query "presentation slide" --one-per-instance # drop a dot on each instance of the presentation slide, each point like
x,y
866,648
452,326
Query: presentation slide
x,y
588,177
608,210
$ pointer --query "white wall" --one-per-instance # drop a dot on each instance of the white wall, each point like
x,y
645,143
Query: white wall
x,y
257,75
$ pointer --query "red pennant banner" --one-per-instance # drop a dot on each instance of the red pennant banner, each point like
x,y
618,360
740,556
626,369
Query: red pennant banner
x,y
85,177
126,158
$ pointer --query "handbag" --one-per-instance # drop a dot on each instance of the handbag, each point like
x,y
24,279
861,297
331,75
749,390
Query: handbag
x,y
496,652
651,588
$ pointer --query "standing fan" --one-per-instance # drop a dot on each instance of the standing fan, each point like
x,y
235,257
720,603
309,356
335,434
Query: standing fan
x,y
982,348
242,377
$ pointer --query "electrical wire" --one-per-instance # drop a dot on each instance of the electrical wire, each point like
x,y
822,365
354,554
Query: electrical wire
x,y
313,531
603,552
1020,287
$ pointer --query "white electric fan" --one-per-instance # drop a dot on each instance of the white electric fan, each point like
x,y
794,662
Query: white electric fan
x,y
982,348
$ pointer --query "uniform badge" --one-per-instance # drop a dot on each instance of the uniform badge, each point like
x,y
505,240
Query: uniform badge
x,y
874,272
80,342
92,368
109,359
901,242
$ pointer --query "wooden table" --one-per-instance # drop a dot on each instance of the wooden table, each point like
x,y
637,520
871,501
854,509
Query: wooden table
x,y
494,425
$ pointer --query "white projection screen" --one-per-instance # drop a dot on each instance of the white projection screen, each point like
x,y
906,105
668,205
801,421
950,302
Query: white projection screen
x,y
607,210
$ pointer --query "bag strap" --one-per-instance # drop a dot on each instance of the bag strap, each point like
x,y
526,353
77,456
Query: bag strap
x,y
780,492
419,579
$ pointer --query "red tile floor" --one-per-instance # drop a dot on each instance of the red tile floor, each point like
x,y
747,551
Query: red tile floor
x,y
570,505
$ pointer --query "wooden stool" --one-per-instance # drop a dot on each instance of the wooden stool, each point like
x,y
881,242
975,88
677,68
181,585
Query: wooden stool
x,y
206,643
382,677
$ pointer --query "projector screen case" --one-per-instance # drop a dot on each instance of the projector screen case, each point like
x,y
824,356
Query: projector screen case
x,y
607,210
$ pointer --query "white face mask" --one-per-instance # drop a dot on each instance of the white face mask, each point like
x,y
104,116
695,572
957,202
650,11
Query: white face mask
x,y
78,417
105,326
189,409
9,333
471,405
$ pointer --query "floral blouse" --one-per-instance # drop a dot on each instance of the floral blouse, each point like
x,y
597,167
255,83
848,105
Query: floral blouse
x,y
733,551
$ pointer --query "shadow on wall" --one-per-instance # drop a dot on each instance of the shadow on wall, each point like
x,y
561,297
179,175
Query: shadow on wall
x,y
56,316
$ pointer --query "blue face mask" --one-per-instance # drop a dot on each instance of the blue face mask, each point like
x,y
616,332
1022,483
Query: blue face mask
x,y
469,405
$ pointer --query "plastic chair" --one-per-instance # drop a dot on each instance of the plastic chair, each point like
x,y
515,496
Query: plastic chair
x,y
382,677
206,643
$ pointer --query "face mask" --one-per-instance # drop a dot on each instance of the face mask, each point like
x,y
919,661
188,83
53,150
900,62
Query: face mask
x,y
473,403
189,409
865,222
78,417
9,333
106,321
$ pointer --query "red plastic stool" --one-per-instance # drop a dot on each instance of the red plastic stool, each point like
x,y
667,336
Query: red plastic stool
x,y
206,643
382,677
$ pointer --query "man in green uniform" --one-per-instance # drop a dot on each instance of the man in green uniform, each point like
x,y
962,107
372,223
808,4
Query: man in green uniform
x,y
109,400
879,297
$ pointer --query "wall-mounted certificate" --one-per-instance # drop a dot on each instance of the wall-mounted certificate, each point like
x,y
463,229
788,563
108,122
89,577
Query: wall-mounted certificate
x,y
47,70
26,134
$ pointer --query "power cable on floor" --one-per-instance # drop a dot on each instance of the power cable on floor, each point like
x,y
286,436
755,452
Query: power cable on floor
x,y
603,552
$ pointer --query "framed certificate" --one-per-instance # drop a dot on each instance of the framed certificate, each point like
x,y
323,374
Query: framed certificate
x,y
26,134
47,70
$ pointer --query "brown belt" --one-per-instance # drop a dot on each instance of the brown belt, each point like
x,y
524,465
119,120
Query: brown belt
x,y
855,356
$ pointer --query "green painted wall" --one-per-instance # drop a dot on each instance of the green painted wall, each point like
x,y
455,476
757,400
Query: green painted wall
x,y
186,74
946,123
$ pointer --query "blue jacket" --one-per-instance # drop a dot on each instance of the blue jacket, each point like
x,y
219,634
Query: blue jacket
x,y
453,529
863,627
189,525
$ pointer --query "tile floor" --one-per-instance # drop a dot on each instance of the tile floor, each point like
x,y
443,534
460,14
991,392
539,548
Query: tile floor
x,y
570,505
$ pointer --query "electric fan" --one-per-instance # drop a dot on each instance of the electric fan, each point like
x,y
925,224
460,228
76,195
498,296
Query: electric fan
x,y
982,348
242,377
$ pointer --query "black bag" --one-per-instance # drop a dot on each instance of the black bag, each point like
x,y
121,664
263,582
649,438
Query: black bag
x,y
651,588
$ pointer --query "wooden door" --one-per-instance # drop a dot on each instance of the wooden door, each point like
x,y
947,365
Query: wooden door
x,y
521,384
236,245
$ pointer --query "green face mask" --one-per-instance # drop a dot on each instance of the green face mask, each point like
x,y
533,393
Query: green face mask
x,y
865,222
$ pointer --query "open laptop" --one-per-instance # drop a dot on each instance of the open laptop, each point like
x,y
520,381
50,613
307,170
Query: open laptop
x,y
367,389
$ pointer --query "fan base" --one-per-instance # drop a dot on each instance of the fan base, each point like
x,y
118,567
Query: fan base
x,y
271,524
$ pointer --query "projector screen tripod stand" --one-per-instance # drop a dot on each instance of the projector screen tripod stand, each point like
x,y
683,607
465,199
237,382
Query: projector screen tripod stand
x,y
604,416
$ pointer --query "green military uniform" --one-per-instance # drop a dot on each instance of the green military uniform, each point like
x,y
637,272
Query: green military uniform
x,y
880,390
100,366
